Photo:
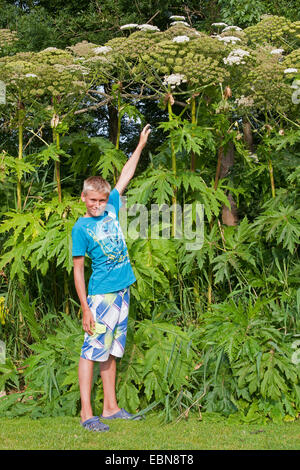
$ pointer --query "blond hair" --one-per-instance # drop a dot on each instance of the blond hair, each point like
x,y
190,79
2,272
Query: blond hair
x,y
96,183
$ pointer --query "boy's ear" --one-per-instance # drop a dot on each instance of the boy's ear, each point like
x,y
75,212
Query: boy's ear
x,y
83,196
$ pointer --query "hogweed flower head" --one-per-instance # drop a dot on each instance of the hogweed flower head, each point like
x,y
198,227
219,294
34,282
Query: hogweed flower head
x,y
244,101
228,39
290,70
147,27
277,51
129,26
181,39
180,22
296,84
236,56
177,17
102,49
232,28
254,157
219,24
174,79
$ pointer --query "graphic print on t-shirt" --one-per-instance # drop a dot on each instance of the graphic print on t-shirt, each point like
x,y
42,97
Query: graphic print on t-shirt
x,y
109,236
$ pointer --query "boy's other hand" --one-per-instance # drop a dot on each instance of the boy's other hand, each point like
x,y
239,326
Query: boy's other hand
x,y
88,322
144,135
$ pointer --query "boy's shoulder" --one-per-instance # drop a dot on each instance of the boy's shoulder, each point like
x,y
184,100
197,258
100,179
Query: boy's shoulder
x,y
79,225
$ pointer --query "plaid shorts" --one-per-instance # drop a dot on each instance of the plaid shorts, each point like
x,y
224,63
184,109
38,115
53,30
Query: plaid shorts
x,y
110,313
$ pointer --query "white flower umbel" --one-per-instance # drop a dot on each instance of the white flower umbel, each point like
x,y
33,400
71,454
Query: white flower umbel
x,y
296,84
181,39
180,22
147,27
277,51
236,57
245,101
129,26
50,49
219,24
254,157
174,79
232,28
227,39
102,49
33,75
291,70
177,18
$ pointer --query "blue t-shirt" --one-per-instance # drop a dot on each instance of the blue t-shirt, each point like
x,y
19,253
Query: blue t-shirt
x,y
102,239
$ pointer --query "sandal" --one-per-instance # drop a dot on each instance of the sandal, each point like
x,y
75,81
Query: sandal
x,y
122,414
94,424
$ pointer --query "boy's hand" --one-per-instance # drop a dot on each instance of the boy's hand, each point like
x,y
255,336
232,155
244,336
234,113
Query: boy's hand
x,y
144,135
88,322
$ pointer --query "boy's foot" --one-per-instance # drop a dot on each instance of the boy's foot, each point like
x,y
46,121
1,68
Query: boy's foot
x,y
94,424
122,414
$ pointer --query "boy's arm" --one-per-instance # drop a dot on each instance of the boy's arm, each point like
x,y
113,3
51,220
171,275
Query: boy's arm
x,y
88,322
130,166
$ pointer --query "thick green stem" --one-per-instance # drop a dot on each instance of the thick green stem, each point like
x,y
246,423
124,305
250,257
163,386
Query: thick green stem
x,y
66,292
118,132
57,165
193,156
20,156
209,292
119,121
271,177
174,169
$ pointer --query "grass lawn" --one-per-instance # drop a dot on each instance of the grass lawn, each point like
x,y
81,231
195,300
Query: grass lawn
x,y
65,433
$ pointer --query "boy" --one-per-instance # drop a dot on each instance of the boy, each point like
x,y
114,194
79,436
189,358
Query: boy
x,y
105,309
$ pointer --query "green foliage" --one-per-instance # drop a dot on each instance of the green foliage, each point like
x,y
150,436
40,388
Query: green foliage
x,y
213,328
245,343
159,358
39,236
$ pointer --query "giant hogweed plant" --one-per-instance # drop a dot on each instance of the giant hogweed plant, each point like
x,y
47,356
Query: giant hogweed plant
x,y
232,259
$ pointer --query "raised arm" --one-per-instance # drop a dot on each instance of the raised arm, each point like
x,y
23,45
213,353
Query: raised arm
x,y
130,166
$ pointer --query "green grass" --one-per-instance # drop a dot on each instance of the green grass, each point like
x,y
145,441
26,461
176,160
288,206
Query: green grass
x,y
65,433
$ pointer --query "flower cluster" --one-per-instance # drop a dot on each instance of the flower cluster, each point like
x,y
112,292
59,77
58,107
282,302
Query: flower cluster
x,y
273,30
147,27
102,50
228,39
7,37
231,28
236,57
244,101
219,25
177,18
277,51
129,26
290,70
174,23
181,39
175,79
49,72
292,60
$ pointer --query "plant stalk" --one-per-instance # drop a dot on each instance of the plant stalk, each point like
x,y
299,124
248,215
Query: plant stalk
x,y
20,156
174,169
20,150
193,156
271,177
57,166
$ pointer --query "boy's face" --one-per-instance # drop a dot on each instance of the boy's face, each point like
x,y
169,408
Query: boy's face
x,y
95,203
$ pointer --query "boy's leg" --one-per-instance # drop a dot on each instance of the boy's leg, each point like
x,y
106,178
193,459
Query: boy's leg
x,y
85,375
108,376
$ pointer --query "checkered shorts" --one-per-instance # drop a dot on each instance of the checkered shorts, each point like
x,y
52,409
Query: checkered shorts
x,y
110,313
